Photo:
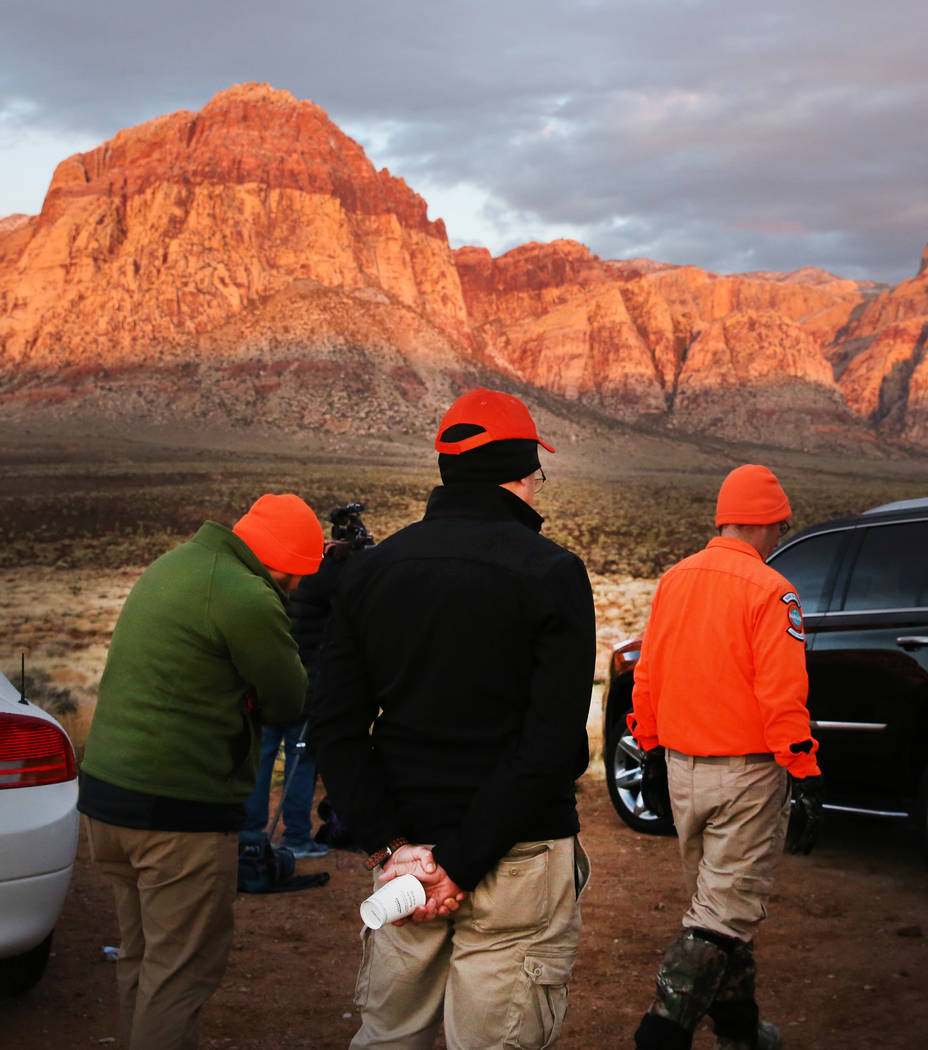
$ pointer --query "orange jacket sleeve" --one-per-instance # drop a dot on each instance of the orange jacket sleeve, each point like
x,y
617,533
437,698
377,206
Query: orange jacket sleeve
x,y
781,684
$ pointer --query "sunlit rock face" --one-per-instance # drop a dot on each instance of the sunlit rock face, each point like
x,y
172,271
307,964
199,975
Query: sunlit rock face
x,y
174,227
251,230
736,356
247,261
554,315
878,359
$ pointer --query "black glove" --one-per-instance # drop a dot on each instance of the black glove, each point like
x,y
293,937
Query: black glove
x,y
807,814
654,790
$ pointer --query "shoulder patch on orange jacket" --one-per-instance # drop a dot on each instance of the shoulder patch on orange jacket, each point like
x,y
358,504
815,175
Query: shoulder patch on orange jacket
x,y
793,616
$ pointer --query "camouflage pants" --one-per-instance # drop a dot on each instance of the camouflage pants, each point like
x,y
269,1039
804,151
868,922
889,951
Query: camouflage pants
x,y
702,972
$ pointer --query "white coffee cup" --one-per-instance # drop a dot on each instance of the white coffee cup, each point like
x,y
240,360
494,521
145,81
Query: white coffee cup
x,y
394,900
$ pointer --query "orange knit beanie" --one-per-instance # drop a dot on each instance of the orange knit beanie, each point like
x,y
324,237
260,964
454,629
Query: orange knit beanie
x,y
751,495
284,534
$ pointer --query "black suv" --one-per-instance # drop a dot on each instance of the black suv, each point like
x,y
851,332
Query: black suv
x,y
863,584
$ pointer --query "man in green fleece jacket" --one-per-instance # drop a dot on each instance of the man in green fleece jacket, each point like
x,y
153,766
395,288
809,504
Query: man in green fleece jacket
x,y
201,655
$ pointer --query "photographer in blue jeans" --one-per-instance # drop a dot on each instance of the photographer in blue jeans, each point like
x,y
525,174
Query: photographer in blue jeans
x,y
298,801
309,607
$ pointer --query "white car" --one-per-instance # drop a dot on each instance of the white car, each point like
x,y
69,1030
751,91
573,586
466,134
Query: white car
x,y
38,835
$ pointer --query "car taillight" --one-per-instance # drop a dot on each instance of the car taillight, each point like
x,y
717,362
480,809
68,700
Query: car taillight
x,y
624,657
33,751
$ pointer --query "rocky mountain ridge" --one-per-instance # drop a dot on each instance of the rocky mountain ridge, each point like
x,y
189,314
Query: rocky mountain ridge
x,y
247,263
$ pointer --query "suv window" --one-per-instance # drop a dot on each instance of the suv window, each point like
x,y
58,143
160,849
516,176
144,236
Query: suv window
x,y
891,570
807,565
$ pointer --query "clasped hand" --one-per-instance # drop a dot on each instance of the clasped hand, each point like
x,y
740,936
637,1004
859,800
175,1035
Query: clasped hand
x,y
442,895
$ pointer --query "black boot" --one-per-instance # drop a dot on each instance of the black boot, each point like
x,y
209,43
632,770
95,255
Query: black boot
x,y
734,1010
660,1033
767,1037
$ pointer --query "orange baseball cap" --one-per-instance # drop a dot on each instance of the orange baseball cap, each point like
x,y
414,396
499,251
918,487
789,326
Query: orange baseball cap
x,y
751,495
490,415
283,533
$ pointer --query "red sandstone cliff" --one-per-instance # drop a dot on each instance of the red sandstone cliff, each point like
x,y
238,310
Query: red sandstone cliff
x,y
878,359
175,226
553,315
736,356
247,262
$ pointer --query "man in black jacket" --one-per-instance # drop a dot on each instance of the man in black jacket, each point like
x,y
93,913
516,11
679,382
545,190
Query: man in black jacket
x,y
309,607
467,641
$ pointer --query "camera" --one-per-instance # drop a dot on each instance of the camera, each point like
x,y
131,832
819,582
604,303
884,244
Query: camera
x,y
347,527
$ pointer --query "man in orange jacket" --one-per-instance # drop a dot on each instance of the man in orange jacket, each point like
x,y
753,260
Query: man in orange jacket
x,y
720,690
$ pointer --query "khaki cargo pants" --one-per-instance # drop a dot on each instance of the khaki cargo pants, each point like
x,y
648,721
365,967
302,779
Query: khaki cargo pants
x,y
496,972
731,814
174,895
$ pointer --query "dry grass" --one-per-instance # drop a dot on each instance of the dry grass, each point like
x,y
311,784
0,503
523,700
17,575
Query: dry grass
x,y
62,618
78,525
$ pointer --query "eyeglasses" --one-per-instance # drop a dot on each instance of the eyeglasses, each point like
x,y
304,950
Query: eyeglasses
x,y
539,479
785,526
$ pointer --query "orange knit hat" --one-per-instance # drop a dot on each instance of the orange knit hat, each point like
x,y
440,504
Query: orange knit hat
x,y
283,533
751,495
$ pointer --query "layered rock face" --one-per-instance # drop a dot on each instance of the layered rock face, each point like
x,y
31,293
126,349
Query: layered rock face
x,y
736,356
248,263
878,359
174,227
553,315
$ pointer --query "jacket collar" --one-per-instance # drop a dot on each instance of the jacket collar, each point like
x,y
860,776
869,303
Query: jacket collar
x,y
222,540
732,544
474,500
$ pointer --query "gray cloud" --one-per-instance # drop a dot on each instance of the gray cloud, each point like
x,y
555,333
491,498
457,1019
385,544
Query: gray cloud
x,y
694,132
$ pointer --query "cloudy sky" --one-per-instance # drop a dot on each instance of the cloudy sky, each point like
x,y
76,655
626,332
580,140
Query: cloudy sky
x,y
728,134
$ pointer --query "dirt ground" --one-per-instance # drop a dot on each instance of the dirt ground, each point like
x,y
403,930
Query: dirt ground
x,y
842,959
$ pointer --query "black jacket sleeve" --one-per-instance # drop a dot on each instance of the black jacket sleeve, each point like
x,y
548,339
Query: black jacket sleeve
x,y
552,747
342,714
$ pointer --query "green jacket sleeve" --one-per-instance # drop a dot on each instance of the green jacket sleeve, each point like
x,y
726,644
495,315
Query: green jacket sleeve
x,y
251,617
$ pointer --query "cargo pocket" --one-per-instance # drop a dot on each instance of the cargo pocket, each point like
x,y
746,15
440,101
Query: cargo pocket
x,y
748,901
536,1013
514,895
581,868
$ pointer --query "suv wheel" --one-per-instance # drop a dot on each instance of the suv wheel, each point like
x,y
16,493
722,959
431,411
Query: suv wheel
x,y
622,759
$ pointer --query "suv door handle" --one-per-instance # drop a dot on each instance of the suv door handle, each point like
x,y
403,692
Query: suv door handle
x,y
912,642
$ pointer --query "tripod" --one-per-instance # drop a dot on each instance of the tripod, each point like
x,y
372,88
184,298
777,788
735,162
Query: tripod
x,y
300,749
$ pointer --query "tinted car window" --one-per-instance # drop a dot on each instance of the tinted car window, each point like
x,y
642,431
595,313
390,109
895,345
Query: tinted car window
x,y
891,570
806,564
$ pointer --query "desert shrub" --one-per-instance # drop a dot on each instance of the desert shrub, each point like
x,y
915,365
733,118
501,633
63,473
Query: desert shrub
x,y
641,526
39,691
636,525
